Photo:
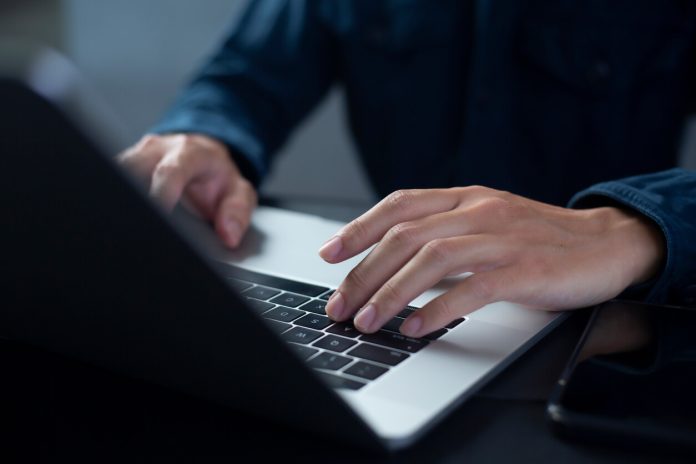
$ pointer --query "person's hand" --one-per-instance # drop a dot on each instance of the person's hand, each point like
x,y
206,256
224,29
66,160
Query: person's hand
x,y
199,171
518,250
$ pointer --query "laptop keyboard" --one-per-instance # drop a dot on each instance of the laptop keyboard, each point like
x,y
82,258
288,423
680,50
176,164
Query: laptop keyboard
x,y
343,356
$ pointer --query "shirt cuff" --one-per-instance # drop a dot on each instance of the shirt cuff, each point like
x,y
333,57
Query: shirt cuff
x,y
655,290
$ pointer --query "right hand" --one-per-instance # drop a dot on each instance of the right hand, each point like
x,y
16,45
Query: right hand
x,y
197,170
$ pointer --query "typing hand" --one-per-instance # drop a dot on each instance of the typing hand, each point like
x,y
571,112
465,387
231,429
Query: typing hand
x,y
519,250
198,170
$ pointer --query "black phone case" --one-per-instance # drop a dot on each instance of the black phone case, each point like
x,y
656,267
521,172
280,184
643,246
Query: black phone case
x,y
598,430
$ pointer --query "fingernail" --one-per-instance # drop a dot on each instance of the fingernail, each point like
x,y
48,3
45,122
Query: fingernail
x,y
233,230
411,326
330,250
365,317
335,307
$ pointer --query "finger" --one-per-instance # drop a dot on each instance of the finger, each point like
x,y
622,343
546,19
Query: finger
x,y
475,292
173,173
203,196
397,247
400,206
234,212
140,163
431,264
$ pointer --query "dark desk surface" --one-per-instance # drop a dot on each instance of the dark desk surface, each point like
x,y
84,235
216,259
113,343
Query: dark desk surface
x,y
60,409
63,409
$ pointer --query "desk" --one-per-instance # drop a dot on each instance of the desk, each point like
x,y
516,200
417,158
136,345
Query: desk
x,y
61,409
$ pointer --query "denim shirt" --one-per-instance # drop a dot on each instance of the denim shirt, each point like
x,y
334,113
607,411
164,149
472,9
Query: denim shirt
x,y
569,102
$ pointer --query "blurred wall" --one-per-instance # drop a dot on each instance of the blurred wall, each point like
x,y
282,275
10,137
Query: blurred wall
x,y
36,20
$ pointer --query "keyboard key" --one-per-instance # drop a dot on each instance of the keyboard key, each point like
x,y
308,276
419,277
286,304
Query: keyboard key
x,y
314,321
455,323
315,306
259,306
347,329
377,354
334,343
335,381
281,313
278,327
271,281
407,311
328,361
261,293
435,335
290,299
396,341
304,352
327,295
393,325
240,285
366,370
301,335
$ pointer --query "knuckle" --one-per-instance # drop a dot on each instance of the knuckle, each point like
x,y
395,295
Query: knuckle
x,y
356,229
495,204
437,251
391,293
185,153
186,139
400,199
148,141
184,147
493,207
475,190
148,145
166,171
402,235
356,278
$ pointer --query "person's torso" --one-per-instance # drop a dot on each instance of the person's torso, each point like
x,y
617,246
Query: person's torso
x,y
539,97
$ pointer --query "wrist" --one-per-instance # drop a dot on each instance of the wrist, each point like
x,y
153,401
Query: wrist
x,y
640,244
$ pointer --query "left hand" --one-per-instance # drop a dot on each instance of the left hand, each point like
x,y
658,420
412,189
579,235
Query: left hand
x,y
518,250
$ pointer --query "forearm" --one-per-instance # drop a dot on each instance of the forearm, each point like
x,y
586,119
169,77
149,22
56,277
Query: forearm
x,y
269,73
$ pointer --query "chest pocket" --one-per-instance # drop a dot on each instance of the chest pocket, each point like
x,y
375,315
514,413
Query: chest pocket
x,y
589,45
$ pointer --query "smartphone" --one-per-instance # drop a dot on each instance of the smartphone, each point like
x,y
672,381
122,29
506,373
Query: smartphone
x,y
631,381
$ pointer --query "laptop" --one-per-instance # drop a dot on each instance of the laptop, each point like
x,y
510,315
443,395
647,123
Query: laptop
x,y
98,272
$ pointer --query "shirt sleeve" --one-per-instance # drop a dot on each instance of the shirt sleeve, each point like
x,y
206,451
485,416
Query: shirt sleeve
x,y
669,199
268,74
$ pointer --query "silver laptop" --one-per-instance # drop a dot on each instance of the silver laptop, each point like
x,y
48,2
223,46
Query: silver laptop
x,y
101,274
